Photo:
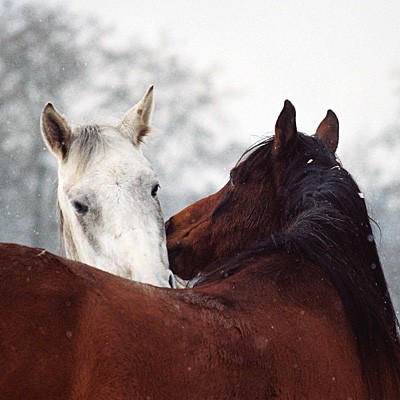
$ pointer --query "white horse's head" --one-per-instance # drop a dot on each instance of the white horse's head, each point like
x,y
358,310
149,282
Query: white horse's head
x,y
107,194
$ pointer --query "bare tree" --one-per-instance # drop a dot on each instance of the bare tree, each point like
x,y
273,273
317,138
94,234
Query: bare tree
x,y
194,146
40,59
51,54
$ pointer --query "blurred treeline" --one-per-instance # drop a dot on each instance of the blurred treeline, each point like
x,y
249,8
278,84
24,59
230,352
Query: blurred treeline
x,y
48,54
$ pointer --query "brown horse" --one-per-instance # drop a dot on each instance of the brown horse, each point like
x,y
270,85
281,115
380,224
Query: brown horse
x,y
291,196
276,326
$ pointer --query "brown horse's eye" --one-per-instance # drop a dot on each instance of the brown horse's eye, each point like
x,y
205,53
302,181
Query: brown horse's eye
x,y
155,190
232,177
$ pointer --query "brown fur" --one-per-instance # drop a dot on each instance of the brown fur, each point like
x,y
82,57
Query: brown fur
x,y
70,331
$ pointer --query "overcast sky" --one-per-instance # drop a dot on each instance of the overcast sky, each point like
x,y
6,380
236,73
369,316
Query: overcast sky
x,y
343,55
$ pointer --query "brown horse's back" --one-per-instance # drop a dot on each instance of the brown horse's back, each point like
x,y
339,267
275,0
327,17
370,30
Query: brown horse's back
x,y
220,341
72,332
232,339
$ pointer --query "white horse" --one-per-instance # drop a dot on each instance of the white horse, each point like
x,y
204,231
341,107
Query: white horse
x,y
107,195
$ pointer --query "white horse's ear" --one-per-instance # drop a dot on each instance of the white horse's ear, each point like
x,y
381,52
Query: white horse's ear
x,y
56,131
136,121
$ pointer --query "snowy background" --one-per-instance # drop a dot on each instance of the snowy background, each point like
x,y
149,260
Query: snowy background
x,y
221,71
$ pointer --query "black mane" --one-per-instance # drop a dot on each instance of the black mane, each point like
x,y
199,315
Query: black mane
x,y
324,220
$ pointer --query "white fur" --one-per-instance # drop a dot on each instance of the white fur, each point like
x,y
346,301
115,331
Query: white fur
x,y
123,230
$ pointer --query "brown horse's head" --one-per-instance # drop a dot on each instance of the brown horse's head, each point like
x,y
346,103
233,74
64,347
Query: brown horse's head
x,y
247,208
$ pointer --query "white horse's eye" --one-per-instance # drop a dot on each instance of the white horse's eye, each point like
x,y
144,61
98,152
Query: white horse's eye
x,y
80,208
155,190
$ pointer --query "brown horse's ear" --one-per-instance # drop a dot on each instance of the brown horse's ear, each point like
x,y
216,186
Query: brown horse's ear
x,y
135,124
285,128
328,130
56,131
